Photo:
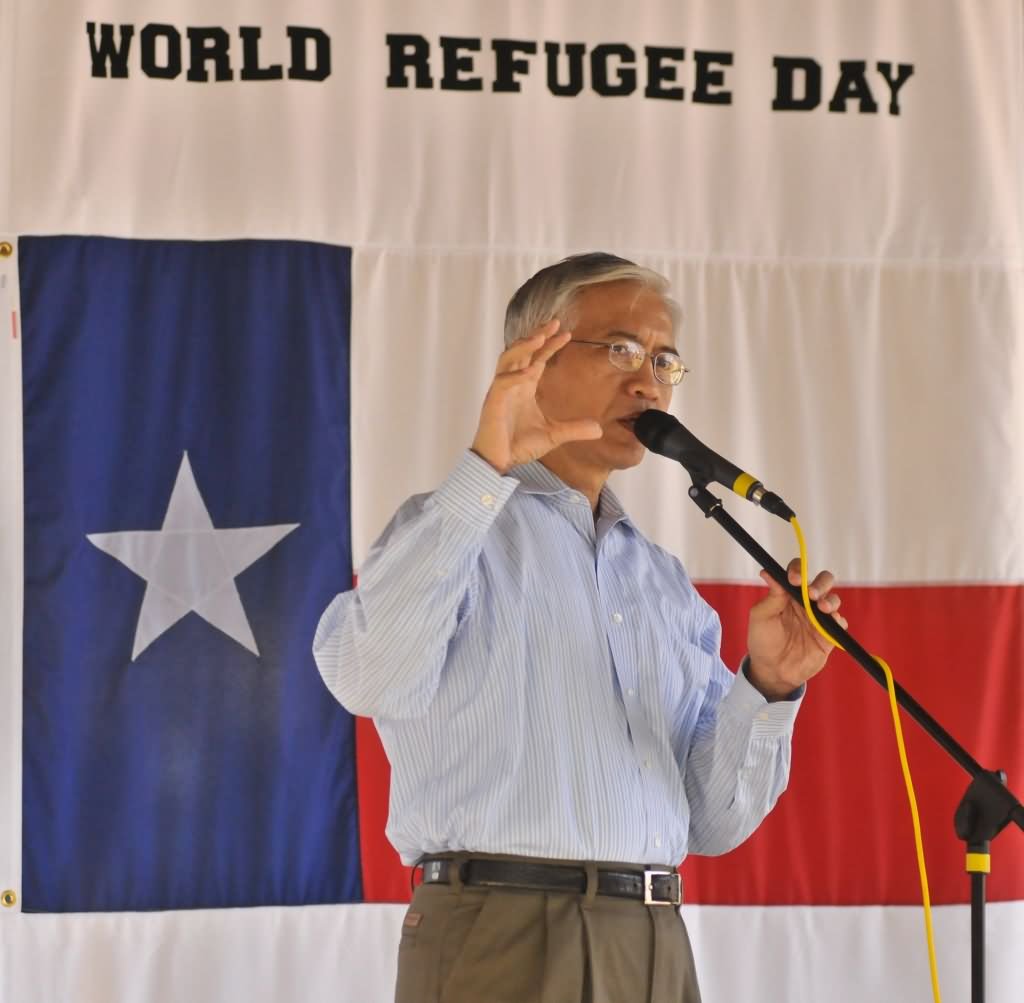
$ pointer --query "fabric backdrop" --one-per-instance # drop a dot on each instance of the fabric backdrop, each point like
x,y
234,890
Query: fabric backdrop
x,y
253,264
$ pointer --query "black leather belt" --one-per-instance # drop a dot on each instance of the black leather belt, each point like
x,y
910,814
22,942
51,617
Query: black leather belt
x,y
652,887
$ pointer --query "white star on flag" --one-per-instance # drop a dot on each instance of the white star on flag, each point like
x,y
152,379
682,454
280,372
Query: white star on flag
x,y
189,566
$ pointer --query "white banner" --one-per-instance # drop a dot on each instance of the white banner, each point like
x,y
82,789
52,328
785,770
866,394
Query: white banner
x,y
834,190
723,131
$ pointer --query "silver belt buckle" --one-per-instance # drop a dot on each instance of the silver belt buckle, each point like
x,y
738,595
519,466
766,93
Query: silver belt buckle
x,y
677,897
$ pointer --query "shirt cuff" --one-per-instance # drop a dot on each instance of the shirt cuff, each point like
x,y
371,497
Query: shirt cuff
x,y
474,491
767,720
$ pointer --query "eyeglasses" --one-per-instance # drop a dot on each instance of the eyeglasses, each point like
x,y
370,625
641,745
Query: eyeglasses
x,y
629,357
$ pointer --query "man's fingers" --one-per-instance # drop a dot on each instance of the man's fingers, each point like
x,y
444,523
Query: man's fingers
x,y
530,368
773,603
819,587
553,343
828,603
520,354
574,431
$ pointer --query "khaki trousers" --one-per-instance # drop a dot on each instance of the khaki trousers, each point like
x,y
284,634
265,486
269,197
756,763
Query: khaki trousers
x,y
504,945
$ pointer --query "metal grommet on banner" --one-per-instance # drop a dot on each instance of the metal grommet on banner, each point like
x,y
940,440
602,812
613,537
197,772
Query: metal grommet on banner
x,y
6,249
9,898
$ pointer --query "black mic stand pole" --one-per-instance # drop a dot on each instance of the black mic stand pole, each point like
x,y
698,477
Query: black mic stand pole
x,y
986,808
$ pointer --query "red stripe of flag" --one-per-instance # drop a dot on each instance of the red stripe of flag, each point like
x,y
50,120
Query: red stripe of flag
x,y
841,835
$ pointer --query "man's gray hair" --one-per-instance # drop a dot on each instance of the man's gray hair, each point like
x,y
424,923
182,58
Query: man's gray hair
x,y
553,290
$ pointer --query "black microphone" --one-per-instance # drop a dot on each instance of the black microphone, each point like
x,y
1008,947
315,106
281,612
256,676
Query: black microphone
x,y
661,433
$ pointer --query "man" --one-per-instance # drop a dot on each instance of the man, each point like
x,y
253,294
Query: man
x,y
547,683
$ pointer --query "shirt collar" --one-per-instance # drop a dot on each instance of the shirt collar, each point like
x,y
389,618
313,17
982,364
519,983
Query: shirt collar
x,y
535,479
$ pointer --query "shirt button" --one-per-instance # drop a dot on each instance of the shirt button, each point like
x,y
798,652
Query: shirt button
x,y
487,500
657,840
631,692
762,715
616,618
647,764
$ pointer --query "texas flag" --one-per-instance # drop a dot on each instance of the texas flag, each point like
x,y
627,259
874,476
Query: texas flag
x,y
186,415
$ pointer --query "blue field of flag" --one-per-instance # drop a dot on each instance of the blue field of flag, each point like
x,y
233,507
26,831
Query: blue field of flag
x,y
186,441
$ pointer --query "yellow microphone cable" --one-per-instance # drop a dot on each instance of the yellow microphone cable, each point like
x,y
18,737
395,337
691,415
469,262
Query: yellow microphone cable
x,y
894,708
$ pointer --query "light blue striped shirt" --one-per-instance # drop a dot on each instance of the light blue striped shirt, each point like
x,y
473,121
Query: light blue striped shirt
x,y
547,684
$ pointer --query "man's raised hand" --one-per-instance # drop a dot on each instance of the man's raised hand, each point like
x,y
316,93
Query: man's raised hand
x,y
513,429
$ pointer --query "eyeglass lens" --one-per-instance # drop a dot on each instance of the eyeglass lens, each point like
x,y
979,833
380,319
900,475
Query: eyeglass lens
x,y
629,356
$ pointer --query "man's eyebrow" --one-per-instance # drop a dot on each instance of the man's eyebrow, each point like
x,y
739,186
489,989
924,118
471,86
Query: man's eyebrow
x,y
631,335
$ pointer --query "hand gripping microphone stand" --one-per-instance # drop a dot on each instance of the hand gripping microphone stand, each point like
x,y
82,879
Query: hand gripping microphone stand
x,y
986,808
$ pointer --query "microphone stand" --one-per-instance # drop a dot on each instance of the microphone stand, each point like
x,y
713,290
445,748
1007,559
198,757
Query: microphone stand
x,y
987,807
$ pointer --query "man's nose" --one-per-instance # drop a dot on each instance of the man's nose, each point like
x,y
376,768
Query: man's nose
x,y
642,383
